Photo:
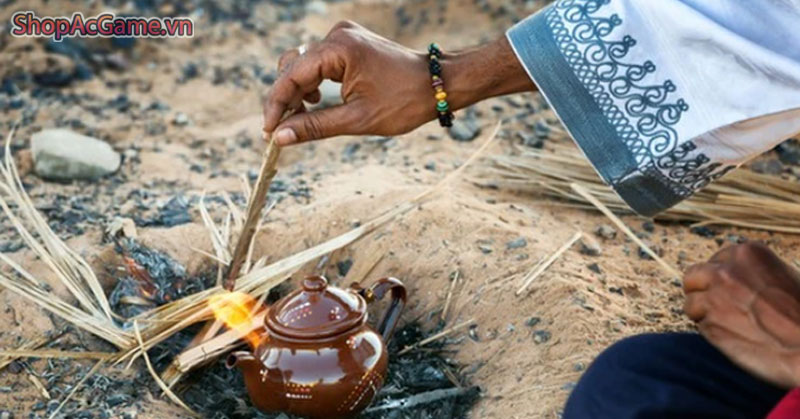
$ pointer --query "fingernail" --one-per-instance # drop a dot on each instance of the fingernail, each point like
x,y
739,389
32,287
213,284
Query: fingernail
x,y
286,136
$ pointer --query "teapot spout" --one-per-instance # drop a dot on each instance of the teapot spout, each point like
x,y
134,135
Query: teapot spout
x,y
242,359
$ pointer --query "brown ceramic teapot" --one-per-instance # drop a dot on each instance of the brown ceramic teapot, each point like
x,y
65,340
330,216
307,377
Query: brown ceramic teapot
x,y
318,357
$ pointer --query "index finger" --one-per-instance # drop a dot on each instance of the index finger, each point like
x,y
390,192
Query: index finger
x,y
301,77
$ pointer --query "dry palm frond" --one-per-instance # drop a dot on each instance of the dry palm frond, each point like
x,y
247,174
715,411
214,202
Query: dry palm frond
x,y
741,198
93,312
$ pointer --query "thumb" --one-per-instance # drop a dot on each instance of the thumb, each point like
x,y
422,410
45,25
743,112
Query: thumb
x,y
319,124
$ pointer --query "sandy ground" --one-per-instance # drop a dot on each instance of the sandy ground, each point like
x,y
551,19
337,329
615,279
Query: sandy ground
x,y
463,228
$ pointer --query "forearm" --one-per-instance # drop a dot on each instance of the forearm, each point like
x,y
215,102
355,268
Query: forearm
x,y
479,73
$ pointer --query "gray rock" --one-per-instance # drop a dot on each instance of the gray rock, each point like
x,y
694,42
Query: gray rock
x,y
768,167
331,93
605,231
589,246
181,119
789,152
61,154
517,243
541,336
317,7
465,129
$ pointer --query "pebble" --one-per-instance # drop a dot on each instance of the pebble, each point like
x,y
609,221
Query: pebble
x,y
331,93
465,128
5,414
317,7
767,167
605,232
517,243
533,321
541,336
485,249
589,246
344,266
789,152
594,267
61,154
530,140
704,231
430,166
181,119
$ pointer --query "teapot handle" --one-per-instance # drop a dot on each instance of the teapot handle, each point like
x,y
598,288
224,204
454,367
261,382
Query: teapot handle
x,y
392,316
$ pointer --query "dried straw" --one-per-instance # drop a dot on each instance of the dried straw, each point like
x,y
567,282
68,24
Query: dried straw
x,y
542,266
436,337
741,198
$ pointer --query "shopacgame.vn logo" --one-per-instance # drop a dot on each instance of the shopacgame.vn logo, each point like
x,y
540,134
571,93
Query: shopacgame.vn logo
x,y
105,25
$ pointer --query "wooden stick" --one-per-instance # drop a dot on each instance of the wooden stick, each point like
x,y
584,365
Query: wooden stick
x,y
257,201
435,337
614,219
542,266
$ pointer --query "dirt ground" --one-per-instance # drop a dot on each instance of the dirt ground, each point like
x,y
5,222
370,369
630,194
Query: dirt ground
x,y
526,352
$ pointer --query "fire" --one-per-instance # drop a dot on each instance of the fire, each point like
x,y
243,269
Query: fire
x,y
236,310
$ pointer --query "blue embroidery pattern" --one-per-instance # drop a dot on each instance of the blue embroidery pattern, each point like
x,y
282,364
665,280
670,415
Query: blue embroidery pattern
x,y
645,123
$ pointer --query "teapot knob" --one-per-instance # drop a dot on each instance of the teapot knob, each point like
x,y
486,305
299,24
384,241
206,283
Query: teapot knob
x,y
315,283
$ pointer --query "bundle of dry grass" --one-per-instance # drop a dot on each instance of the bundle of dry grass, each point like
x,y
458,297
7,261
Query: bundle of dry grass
x,y
742,198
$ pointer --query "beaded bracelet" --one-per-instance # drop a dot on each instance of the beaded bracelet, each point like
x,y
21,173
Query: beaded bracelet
x,y
442,107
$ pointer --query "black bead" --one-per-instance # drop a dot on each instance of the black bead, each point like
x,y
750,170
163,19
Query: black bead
x,y
435,68
433,50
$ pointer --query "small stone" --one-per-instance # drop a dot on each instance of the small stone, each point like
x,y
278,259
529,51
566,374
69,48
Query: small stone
x,y
768,167
331,93
656,249
61,154
589,246
533,321
5,414
485,249
344,266
789,152
704,231
605,232
648,226
530,140
181,119
511,327
464,129
317,7
517,243
121,227
541,336
430,166
594,267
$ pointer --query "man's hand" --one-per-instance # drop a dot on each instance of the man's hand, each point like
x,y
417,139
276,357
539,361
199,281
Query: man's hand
x,y
386,88
746,302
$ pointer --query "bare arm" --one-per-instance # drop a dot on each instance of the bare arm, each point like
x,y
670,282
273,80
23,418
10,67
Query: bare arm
x,y
386,87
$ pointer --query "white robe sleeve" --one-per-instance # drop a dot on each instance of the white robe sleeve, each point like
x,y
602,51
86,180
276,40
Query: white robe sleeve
x,y
665,96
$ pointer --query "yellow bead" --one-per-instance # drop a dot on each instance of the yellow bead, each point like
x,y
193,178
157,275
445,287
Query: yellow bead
x,y
441,96
435,77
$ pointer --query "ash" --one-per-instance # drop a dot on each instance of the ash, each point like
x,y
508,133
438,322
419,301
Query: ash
x,y
153,278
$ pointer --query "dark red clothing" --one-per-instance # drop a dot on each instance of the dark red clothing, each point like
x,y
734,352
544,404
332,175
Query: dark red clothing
x,y
788,408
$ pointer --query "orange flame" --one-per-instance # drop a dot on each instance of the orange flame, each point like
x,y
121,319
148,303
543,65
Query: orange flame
x,y
236,310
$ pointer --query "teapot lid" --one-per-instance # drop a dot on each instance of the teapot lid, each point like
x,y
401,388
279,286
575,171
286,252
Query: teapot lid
x,y
316,311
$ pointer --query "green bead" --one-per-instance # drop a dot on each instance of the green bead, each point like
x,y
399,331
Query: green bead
x,y
442,106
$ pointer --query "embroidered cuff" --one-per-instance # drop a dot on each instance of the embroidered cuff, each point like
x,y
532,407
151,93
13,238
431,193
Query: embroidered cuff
x,y
582,102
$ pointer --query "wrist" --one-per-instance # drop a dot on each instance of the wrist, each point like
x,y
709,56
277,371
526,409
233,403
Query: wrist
x,y
476,74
